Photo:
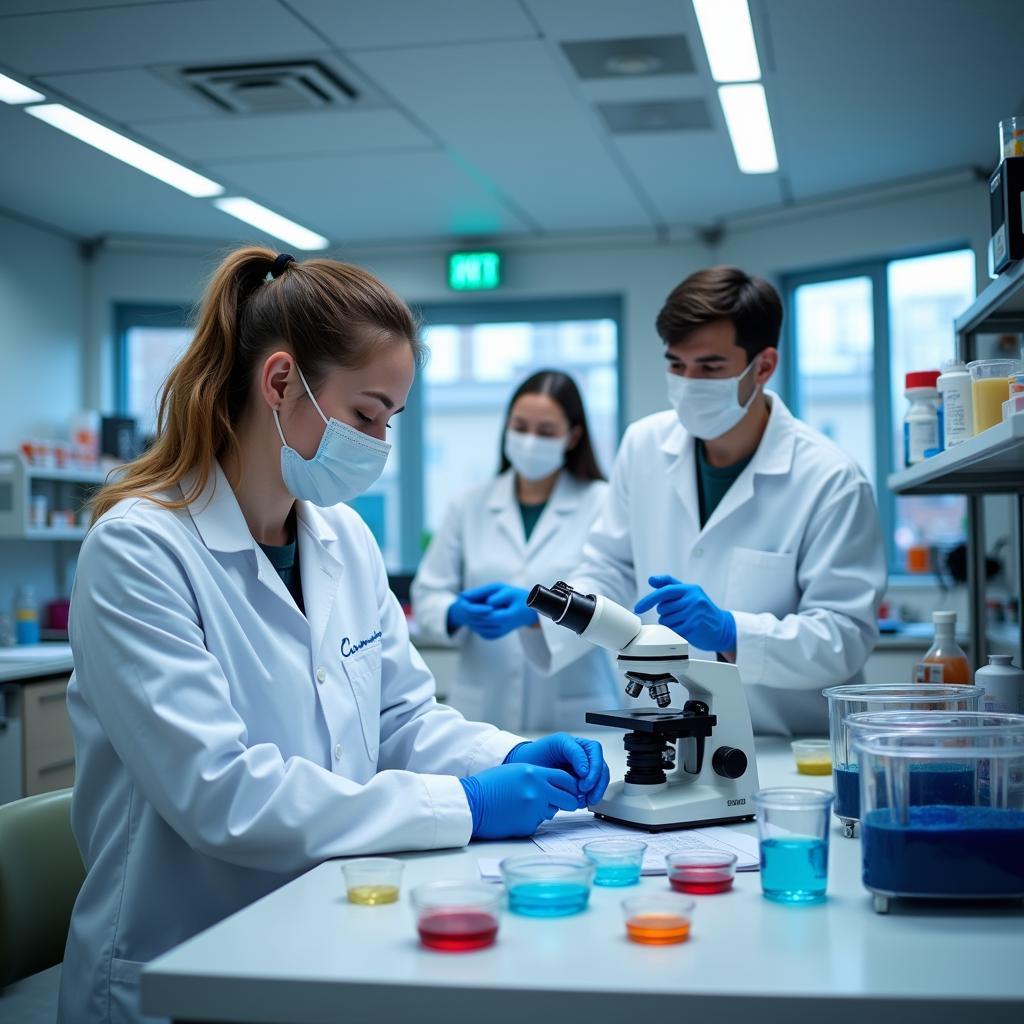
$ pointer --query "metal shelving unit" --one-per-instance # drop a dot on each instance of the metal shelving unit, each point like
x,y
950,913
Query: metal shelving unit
x,y
990,463
64,488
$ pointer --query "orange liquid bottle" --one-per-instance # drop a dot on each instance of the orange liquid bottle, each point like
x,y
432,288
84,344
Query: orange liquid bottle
x,y
945,661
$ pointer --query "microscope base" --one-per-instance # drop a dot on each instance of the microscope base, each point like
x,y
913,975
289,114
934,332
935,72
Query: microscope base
x,y
673,826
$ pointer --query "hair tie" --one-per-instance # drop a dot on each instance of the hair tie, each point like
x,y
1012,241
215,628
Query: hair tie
x,y
280,263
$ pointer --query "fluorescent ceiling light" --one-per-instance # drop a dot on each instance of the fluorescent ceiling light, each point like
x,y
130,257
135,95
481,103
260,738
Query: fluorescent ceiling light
x,y
270,222
728,39
750,128
93,134
14,92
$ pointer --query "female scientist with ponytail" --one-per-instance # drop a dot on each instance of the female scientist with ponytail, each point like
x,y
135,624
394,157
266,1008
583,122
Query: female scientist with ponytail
x,y
501,537
245,701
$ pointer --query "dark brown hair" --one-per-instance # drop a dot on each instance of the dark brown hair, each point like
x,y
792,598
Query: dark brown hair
x,y
326,313
580,461
724,293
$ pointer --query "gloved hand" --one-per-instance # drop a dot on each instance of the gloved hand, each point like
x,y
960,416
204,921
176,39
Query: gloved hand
x,y
685,608
509,611
470,608
582,758
512,800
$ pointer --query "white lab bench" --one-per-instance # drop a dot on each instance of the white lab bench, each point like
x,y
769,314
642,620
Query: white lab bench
x,y
304,955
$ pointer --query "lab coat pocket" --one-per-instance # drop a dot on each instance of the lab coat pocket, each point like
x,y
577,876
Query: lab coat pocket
x,y
363,673
125,1004
762,581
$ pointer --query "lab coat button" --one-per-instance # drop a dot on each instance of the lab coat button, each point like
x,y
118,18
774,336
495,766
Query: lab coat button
x,y
698,553
337,751
321,674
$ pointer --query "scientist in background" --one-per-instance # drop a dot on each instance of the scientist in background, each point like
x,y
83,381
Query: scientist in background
x,y
500,538
245,701
737,525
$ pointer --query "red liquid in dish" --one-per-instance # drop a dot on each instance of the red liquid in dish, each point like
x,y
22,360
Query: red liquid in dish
x,y
701,881
456,931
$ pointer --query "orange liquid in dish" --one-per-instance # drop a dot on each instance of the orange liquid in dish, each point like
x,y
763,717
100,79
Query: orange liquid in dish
x,y
658,929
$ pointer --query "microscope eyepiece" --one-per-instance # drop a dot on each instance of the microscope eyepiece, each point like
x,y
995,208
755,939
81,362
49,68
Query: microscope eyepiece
x,y
563,605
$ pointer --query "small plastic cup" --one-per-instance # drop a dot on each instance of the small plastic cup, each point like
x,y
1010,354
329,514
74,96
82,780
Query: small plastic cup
x,y
456,917
617,862
813,757
792,830
659,919
545,886
990,387
373,881
701,872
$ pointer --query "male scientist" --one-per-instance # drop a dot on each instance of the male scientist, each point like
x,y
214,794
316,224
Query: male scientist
x,y
742,528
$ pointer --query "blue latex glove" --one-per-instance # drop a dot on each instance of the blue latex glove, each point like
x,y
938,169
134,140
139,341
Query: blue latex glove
x,y
513,799
509,611
584,759
685,608
470,608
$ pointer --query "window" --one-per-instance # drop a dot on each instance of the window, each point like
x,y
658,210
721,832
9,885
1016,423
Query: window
x,y
855,333
453,418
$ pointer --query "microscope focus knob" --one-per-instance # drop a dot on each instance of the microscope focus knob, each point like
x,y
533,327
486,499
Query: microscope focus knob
x,y
729,762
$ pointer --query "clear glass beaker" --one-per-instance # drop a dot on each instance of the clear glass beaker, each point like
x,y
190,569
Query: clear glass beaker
x,y
1011,137
962,835
990,387
792,830
858,697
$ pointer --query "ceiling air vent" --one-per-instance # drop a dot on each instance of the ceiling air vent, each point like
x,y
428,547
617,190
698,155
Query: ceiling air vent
x,y
271,88
687,115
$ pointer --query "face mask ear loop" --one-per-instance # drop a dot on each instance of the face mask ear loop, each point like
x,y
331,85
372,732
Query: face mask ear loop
x,y
310,393
277,423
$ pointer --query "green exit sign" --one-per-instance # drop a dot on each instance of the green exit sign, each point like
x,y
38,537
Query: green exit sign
x,y
474,271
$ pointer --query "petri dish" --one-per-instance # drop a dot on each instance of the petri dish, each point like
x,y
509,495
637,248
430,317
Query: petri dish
x,y
546,886
457,917
617,862
813,757
701,872
372,881
661,919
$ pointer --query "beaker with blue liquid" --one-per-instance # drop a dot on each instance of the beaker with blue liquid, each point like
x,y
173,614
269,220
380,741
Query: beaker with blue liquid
x,y
856,698
792,831
916,842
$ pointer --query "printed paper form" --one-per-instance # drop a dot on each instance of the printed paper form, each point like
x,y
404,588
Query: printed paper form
x,y
566,833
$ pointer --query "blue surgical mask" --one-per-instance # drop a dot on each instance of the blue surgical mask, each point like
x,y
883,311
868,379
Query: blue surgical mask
x,y
347,463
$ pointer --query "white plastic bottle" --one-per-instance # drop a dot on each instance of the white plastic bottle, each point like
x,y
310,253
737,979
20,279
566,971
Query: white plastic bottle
x,y
922,430
1004,685
954,387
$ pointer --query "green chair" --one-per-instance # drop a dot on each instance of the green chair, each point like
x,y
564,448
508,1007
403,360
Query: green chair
x,y
40,874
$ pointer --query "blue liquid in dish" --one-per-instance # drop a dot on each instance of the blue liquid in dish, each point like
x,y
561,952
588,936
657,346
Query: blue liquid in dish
x,y
547,899
945,851
794,870
929,784
617,874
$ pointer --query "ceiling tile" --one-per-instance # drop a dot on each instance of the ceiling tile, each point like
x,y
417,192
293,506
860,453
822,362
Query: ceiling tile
x,y
9,7
127,95
230,137
189,32
874,92
510,110
610,19
399,23
376,197
692,177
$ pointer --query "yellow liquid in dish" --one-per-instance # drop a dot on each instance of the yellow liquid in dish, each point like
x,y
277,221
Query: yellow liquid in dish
x,y
988,395
373,895
815,765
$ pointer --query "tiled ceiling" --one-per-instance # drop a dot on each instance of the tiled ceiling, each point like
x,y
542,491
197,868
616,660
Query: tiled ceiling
x,y
470,120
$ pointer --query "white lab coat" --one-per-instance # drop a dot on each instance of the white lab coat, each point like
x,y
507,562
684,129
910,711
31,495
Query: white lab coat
x,y
794,550
482,541
225,742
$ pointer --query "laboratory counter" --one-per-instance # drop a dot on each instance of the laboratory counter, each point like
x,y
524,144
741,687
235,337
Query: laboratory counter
x,y
303,954
34,661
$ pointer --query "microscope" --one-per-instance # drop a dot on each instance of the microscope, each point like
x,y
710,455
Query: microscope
x,y
688,767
